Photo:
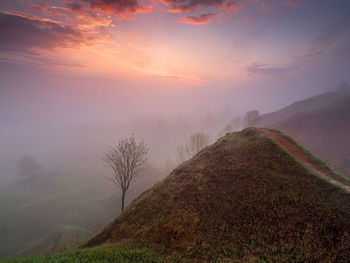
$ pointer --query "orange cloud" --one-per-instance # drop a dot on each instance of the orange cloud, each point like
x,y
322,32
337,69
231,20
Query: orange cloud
x,y
121,8
46,8
197,20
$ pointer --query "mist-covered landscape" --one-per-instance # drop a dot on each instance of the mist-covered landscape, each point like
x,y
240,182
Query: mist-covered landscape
x,y
174,131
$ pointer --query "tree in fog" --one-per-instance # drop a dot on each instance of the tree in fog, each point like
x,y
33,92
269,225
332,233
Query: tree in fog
x,y
192,145
233,126
28,166
252,118
125,158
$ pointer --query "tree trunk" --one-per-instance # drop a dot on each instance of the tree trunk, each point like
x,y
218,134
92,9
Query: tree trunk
x,y
123,198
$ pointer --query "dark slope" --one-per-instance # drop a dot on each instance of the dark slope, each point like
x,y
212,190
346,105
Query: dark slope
x,y
244,198
325,131
310,104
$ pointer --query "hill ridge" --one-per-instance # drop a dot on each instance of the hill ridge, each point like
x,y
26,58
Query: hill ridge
x,y
302,157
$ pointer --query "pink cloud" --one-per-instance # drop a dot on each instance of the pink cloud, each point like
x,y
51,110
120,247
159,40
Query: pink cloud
x,y
197,20
121,8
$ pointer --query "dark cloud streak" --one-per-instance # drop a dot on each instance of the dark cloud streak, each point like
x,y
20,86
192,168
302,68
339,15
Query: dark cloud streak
x,y
24,33
117,7
177,6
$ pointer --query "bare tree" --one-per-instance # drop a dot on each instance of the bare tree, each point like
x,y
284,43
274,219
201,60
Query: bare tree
x,y
192,145
125,157
251,118
233,126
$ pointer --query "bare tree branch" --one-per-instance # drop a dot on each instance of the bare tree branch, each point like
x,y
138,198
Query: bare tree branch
x,y
192,145
251,118
125,157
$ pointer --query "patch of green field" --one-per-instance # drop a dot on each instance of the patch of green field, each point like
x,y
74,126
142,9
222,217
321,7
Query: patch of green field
x,y
103,254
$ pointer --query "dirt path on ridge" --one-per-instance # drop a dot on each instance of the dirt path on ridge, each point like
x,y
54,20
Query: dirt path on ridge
x,y
302,157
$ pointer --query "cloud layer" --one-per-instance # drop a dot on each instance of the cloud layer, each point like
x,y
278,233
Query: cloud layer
x,y
20,32
179,6
122,8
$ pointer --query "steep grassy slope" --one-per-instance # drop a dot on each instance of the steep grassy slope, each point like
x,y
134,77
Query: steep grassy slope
x,y
325,131
245,198
302,106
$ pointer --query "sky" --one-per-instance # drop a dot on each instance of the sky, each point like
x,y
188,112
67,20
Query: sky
x,y
74,74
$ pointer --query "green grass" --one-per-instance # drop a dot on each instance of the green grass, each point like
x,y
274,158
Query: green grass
x,y
103,254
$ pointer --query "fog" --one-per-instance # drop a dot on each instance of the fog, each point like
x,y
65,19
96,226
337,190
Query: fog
x,y
68,122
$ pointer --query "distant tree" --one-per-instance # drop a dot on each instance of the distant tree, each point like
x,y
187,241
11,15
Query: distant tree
x,y
125,157
233,126
227,129
28,166
251,118
192,145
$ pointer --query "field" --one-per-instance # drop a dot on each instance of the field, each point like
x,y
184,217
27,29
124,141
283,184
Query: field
x,y
103,254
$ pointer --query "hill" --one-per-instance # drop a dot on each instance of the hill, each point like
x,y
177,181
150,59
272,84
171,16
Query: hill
x,y
324,131
253,195
302,106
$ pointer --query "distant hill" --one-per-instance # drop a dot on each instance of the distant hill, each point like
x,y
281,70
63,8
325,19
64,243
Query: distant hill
x,y
310,104
252,196
326,131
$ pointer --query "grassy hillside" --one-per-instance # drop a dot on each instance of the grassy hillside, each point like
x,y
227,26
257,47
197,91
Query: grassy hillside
x,y
246,198
242,199
324,131
302,106
103,254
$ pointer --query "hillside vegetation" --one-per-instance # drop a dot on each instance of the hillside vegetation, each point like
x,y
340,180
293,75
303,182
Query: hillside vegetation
x,y
250,197
244,198
325,131
306,105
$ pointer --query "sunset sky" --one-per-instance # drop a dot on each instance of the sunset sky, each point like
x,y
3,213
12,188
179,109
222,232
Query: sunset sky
x,y
192,42
96,62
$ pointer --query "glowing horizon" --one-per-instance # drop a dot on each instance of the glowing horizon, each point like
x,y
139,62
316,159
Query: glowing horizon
x,y
188,41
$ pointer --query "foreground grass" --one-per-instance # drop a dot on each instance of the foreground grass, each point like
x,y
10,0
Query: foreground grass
x,y
103,254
